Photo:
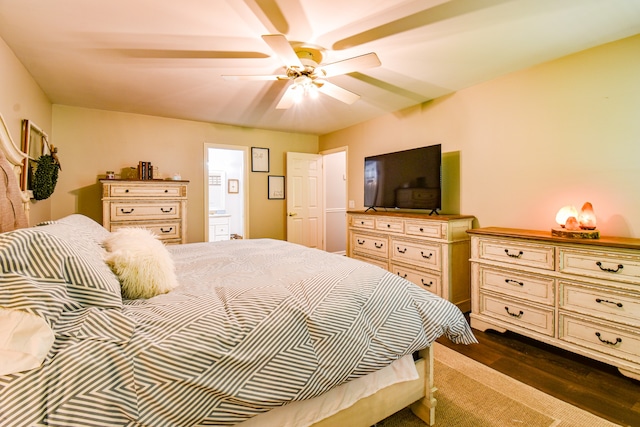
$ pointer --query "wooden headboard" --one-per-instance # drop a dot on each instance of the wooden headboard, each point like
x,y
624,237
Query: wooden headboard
x,y
15,158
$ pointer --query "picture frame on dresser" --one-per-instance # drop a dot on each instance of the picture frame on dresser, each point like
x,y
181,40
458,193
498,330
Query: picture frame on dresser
x,y
259,159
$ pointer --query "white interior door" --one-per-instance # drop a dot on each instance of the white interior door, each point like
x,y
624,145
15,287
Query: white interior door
x,y
304,199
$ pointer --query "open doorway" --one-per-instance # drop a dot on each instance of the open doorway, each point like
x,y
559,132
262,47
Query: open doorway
x,y
226,192
335,200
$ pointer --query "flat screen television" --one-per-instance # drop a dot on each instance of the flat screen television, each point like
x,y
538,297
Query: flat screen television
x,y
408,179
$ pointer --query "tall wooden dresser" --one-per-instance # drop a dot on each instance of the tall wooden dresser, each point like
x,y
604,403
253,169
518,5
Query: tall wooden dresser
x,y
159,206
431,251
579,295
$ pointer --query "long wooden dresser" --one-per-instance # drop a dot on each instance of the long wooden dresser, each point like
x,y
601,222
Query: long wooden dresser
x,y
159,206
431,251
579,295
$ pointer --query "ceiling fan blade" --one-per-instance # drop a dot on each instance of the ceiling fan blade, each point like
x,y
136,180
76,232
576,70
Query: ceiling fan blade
x,y
446,10
184,54
337,92
272,77
280,45
350,65
288,98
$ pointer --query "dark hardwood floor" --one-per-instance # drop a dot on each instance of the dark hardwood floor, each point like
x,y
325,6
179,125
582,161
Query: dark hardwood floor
x,y
593,386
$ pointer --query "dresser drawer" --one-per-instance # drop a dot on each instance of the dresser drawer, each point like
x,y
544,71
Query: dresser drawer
x,y
154,190
518,253
164,230
518,313
122,211
436,231
603,337
363,222
370,244
430,282
390,225
221,229
600,302
527,286
374,261
608,265
422,254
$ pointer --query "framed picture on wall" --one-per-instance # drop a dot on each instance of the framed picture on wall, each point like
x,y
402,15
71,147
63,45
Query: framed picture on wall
x,y
232,186
276,187
259,159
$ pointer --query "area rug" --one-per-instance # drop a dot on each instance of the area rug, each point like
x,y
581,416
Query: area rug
x,y
471,394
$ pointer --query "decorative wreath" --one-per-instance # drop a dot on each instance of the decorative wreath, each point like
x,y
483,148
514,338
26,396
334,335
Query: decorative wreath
x,y
45,176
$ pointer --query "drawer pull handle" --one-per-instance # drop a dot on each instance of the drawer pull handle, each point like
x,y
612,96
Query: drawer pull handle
x,y
426,284
421,230
361,222
515,282
599,300
401,250
378,245
404,276
166,231
126,191
166,191
388,225
426,256
618,340
518,255
518,315
609,270
169,210
126,212
360,242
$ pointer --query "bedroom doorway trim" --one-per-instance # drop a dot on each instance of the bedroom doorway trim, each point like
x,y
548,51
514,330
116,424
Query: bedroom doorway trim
x,y
239,172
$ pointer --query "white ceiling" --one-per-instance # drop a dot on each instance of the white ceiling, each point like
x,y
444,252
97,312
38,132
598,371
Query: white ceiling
x,y
166,57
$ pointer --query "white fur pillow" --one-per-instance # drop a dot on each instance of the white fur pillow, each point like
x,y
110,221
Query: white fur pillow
x,y
141,262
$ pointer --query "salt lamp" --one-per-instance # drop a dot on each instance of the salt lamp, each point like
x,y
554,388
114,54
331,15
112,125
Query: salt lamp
x,y
564,213
572,224
587,217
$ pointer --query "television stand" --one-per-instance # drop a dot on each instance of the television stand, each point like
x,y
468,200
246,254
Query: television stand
x,y
430,251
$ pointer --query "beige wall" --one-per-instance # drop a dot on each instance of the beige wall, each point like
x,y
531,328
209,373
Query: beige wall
x,y
21,98
526,144
94,141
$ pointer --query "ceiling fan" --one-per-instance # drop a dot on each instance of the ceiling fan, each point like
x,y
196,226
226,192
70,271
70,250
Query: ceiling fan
x,y
303,66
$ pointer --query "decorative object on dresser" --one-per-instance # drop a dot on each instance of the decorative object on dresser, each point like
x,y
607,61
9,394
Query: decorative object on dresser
x,y
430,251
579,295
574,225
159,206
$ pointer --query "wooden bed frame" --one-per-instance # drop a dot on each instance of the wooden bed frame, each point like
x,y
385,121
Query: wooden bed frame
x,y
418,394
366,412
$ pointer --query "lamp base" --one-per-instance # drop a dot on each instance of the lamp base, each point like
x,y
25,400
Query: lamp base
x,y
575,234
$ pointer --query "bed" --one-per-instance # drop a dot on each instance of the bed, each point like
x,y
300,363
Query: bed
x,y
255,332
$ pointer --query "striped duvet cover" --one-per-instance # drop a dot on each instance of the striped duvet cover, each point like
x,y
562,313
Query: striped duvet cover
x,y
254,324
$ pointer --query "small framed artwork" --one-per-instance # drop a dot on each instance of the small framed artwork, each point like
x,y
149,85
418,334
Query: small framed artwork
x,y
276,187
259,159
232,186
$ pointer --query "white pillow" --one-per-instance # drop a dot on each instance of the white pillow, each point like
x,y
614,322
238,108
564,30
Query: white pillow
x,y
25,340
141,262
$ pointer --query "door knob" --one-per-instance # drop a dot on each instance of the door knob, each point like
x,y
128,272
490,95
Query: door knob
x,y
292,214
